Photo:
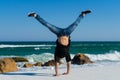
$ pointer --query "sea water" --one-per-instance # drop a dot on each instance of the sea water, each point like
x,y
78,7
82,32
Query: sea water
x,y
102,53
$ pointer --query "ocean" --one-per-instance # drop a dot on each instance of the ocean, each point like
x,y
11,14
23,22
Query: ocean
x,y
44,51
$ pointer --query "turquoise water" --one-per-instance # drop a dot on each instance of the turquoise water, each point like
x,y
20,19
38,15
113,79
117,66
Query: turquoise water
x,y
43,51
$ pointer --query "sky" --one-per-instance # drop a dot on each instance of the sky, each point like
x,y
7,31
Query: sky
x,y
103,24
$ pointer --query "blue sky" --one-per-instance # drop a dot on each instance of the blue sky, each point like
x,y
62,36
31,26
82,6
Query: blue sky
x,y
103,24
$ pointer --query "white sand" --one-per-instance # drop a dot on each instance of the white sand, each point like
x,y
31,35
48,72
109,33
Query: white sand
x,y
80,73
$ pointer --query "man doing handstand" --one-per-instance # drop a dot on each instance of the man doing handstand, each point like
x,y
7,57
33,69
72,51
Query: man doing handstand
x,y
63,39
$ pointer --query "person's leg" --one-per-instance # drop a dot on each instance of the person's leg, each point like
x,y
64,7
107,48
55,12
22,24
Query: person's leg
x,y
71,28
51,27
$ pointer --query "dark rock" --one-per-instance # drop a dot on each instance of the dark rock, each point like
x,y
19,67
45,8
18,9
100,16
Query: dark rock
x,y
81,59
38,64
49,63
19,59
27,65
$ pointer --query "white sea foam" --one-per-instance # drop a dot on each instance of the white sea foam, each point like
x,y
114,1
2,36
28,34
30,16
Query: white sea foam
x,y
40,57
38,48
111,56
12,46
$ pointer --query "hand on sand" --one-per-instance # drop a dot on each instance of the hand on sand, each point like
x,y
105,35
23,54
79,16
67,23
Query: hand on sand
x,y
65,73
56,75
59,74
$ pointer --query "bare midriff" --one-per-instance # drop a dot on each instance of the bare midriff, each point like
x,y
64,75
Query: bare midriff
x,y
63,40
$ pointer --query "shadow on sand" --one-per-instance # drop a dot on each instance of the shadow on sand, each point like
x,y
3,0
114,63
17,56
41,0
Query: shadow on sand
x,y
30,74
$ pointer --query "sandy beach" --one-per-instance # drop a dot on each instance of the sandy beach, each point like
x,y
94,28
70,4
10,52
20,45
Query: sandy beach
x,y
110,72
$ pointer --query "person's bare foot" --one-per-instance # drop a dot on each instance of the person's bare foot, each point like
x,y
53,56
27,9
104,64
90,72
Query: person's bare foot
x,y
85,12
32,14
